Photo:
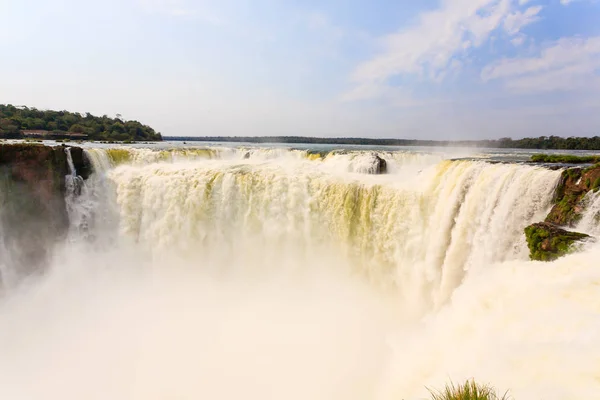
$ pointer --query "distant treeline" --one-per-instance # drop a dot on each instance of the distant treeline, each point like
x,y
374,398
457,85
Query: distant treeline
x,y
18,122
541,143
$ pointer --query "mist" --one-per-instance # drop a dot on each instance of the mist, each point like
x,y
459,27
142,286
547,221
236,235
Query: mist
x,y
107,326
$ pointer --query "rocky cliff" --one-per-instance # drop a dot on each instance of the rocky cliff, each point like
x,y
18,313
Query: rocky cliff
x,y
548,241
574,185
33,216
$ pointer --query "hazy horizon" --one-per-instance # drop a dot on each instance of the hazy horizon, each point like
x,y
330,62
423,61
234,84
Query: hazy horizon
x,y
443,69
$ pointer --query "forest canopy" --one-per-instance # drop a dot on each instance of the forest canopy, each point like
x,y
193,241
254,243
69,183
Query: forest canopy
x,y
15,122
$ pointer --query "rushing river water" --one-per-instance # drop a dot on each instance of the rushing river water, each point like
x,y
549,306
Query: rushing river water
x,y
254,272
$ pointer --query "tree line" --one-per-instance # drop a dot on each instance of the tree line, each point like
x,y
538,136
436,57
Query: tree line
x,y
539,143
15,120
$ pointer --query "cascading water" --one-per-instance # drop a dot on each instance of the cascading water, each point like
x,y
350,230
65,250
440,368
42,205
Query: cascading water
x,y
590,220
90,205
73,183
229,273
420,233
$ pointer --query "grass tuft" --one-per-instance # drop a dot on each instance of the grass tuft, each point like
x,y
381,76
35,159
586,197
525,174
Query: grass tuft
x,y
470,390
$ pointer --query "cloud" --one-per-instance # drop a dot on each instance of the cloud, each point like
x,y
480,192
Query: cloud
x,y
568,78
181,12
518,40
516,21
429,48
318,21
180,9
567,64
395,96
567,2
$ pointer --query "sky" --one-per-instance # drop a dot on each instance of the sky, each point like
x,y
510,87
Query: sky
x,y
426,69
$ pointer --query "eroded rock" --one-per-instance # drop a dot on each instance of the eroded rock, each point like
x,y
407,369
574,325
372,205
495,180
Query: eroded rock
x,y
371,164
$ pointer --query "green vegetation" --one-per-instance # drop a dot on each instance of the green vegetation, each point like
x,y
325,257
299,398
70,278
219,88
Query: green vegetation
x,y
564,159
573,187
566,211
541,143
547,242
470,390
58,124
596,185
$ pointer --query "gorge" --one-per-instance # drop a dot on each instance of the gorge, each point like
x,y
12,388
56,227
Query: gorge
x,y
131,272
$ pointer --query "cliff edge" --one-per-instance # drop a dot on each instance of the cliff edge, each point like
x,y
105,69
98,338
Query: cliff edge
x,y
548,240
33,213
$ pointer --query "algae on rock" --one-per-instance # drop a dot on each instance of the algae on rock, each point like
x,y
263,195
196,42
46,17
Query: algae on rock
x,y
547,241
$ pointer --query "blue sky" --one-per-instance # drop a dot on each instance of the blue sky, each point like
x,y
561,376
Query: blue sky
x,y
443,69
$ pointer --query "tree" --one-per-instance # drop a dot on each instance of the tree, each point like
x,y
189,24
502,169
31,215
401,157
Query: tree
x,y
77,128
99,128
8,128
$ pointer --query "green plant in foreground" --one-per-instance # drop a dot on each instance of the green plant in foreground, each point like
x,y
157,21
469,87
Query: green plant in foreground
x,y
470,390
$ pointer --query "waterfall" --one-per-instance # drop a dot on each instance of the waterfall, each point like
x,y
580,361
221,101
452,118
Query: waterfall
x,y
590,219
70,162
417,230
74,186
285,273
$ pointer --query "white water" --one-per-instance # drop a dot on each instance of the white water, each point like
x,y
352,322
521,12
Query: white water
x,y
284,276
590,219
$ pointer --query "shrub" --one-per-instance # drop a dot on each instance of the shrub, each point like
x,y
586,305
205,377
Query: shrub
x,y
470,390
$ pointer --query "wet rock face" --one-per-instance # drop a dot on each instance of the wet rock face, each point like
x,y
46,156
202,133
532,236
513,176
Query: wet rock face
x,y
39,167
373,164
380,165
574,185
547,241
81,163
33,216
